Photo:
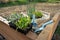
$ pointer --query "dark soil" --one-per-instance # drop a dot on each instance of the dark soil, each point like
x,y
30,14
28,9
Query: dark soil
x,y
25,31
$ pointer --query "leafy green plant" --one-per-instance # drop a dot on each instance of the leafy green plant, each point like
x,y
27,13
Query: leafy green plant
x,y
13,17
31,8
23,0
23,22
38,14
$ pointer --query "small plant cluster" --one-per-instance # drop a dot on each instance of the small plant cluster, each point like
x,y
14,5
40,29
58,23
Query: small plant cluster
x,y
31,11
38,14
23,22
13,17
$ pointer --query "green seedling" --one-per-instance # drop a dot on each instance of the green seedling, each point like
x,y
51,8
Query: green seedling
x,y
38,14
23,22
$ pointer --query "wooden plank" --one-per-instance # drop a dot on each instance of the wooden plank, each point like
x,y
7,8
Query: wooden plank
x,y
32,35
47,33
11,34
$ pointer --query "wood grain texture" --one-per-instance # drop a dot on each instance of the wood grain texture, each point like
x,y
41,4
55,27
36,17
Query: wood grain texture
x,y
48,32
11,34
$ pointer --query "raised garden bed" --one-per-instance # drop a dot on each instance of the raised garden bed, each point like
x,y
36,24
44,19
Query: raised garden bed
x,y
15,35
15,19
22,23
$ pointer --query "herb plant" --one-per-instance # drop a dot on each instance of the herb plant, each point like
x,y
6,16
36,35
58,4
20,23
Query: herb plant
x,y
23,22
13,17
38,14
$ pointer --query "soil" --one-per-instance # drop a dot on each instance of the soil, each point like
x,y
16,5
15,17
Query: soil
x,y
23,31
48,7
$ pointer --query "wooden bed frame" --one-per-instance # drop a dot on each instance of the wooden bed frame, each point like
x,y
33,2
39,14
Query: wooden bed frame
x,y
11,34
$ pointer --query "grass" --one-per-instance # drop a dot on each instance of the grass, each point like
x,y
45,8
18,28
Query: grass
x,y
12,3
23,2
